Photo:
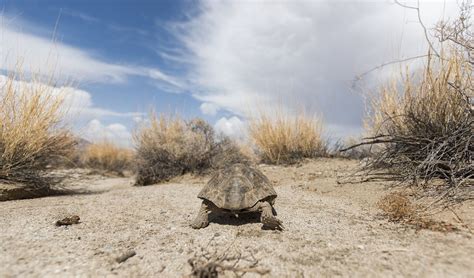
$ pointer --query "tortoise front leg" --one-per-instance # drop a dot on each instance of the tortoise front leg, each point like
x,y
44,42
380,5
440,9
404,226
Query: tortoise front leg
x,y
268,219
202,219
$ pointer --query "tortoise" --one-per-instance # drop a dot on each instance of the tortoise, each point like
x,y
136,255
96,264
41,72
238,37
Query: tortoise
x,y
236,189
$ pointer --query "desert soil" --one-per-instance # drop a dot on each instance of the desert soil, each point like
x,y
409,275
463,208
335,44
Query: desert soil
x,y
330,230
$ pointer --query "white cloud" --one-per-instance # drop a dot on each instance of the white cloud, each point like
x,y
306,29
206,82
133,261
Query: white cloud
x,y
39,54
83,16
138,119
209,108
156,74
166,82
78,107
248,56
77,103
28,48
95,131
42,55
232,127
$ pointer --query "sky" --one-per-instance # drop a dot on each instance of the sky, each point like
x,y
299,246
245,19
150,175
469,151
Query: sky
x,y
224,61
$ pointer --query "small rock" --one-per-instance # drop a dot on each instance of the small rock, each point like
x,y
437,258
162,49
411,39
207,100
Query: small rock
x,y
125,256
74,219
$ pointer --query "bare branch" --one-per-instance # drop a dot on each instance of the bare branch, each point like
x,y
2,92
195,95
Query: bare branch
x,y
214,264
360,76
425,30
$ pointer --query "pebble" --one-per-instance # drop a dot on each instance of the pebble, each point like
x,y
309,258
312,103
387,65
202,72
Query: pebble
x,y
125,256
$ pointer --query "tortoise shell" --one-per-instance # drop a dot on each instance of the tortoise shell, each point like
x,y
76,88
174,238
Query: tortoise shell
x,y
238,187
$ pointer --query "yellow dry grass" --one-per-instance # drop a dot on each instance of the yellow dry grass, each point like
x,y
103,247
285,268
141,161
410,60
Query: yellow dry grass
x,y
108,157
283,138
31,134
431,98
422,128
398,207
183,141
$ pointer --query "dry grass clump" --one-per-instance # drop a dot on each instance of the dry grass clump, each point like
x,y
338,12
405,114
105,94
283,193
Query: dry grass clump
x,y
286,139
436,103
423,128
170,146
398,207
108,157
31,134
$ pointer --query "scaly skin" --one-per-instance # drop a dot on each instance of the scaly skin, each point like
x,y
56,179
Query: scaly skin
x,y
267,218
202,219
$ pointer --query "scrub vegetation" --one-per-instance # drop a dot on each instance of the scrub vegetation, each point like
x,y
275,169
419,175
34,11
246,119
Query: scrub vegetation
x,y
284,139
171,146
107,157
32,134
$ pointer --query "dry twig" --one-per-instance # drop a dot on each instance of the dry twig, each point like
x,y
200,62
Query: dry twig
x,y
213,263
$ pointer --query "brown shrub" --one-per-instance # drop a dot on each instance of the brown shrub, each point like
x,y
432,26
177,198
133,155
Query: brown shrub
x,y
434,104
422,129
31,134
170,146
286,139
107,157
397,206
226,152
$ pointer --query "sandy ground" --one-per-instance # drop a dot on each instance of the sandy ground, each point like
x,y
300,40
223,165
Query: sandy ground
x,y
331,230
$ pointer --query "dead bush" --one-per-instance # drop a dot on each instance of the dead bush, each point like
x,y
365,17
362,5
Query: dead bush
x,y
398,207
422,130
209,264
74,158
108,158
227,152
458,32
170,146
358,153
31,134
282,138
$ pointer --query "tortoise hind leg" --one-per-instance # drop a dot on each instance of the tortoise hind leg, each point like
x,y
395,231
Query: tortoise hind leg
x,y
202,219
268,219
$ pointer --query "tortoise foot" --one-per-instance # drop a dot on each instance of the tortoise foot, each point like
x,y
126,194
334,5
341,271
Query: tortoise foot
x,y
199,223
271,223
202,219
